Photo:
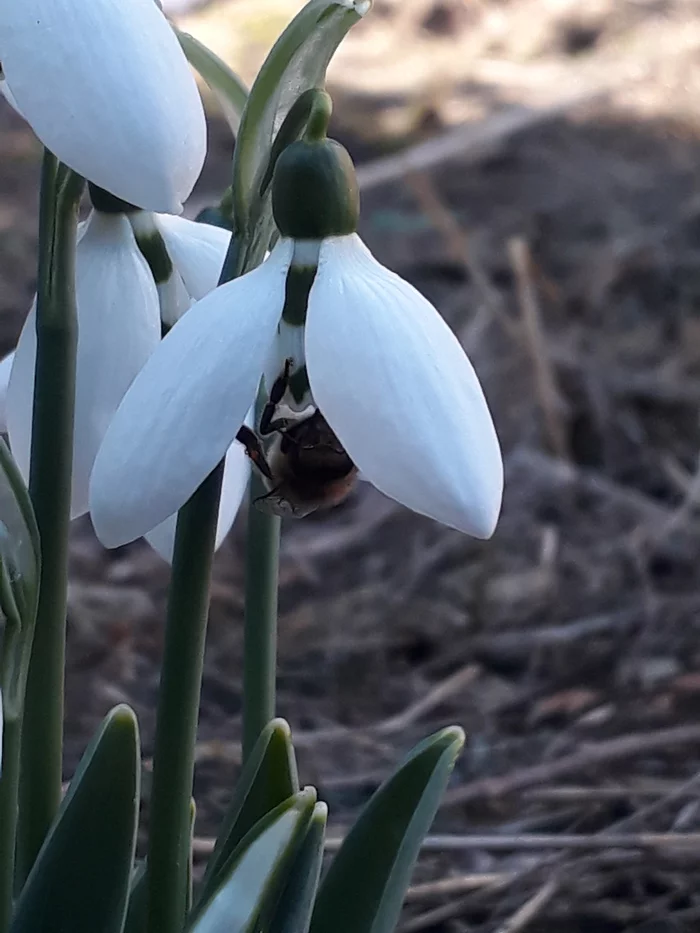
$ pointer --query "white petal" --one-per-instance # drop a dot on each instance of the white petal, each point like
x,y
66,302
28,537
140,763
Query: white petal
x,y
9,96
288,345
197,251
233,487
118,329
174,299
107,88
185,407
5,370
395,385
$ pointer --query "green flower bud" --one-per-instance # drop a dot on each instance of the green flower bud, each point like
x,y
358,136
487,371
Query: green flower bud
x,y
314,191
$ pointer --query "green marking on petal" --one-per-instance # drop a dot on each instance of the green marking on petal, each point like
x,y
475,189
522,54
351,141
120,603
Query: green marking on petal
x,y
299,385
296,294
155,253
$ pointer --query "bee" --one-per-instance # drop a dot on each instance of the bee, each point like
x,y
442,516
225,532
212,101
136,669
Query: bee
x,y
306,467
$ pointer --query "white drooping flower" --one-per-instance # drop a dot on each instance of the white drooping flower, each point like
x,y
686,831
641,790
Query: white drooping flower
x,y
119,327
106,87
233,489
195,254
5,370
118,330
370,352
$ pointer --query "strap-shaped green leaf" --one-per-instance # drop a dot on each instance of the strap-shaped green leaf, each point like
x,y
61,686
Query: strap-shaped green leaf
x,y
297,62
229,90
80,880
136,911
293,912
268,779
367,880
20,557
258,870
17,516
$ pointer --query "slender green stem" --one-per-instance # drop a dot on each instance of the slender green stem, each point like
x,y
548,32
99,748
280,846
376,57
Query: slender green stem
x,y
260,627
9,786
13,679
178,708
50,491
178,698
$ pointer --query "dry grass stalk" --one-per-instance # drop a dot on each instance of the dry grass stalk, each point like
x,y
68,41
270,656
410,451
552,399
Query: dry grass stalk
x,y
549,396
527,913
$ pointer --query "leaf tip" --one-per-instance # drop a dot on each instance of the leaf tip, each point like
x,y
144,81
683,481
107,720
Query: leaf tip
x,y
320,814
361,7
281,728
306,798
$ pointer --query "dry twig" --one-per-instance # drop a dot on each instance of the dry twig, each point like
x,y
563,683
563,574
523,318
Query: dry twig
x,y
548,393
456,885
457,241
521,918
543,841
593,754
468,142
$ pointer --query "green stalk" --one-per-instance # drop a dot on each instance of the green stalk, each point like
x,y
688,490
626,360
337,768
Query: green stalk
x,y
178,698
9,786
260,625
178,708
50,491
13,683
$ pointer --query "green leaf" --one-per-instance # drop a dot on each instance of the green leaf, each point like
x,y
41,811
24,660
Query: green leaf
x,y
297,62
80,880
228,89
268,779
19,536
136,912
258,869
190,860
293,911
367,880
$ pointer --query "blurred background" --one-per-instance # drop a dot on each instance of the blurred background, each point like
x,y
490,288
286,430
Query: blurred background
x,y
532,167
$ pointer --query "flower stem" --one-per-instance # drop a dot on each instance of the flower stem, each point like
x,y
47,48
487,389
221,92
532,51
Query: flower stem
x,y
260,627
9,786
50,491
13,657
178,708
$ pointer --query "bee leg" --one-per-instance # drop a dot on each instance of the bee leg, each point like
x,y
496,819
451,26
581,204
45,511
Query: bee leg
x,y
268,495
254,450
267,423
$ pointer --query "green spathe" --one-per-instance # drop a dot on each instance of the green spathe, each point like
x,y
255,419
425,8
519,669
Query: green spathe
x,y
314,191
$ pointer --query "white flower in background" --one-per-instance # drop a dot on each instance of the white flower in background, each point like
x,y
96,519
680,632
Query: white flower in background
x,y
374,355
106,87
119,327
195,258
5,370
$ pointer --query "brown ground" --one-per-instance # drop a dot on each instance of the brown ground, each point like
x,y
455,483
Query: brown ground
x,y
567,256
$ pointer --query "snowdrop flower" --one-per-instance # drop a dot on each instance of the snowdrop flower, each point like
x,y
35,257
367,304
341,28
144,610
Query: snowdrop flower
x,y
106,87
186,258
5,370
233,488
119,327
367,349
